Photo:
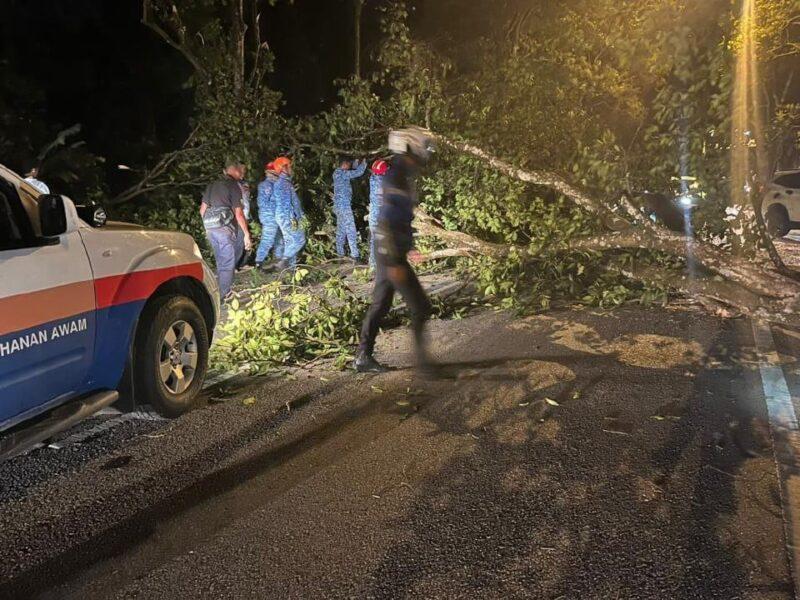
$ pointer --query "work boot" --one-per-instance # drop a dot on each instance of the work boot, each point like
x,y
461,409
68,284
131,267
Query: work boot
x,y
366,363
268,266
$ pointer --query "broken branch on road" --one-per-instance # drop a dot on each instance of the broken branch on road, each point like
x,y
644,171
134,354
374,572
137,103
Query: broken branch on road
x,y
726,284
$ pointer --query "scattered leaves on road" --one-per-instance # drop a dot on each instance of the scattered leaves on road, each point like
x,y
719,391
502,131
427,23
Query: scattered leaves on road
x,y
249,401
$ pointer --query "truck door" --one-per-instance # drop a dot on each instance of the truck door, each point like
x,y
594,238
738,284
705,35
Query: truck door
x,y
47,305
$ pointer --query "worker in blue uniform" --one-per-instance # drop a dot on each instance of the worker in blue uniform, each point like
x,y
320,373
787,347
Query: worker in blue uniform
x,y
379,170
271,237
289,215
343,205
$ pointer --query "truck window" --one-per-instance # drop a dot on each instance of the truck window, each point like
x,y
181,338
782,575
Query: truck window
x,y
9,228
15,226
30,203
792,180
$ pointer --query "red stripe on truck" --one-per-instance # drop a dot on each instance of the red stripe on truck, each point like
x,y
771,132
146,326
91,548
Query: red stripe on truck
x,y
139,285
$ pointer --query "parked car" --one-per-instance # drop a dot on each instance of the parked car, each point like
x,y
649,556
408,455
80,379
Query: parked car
x,y
670,211
92,213
92,315
781,206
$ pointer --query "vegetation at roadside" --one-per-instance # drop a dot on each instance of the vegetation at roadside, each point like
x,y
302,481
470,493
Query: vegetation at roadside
x,y
291,322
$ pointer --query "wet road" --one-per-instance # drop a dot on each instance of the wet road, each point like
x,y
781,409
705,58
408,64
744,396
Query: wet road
x,y
575,455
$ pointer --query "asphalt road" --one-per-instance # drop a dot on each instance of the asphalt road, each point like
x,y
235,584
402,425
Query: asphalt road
x,y
622,454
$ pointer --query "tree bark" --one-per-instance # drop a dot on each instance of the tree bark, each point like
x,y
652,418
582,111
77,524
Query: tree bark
x,y
239,34
358,10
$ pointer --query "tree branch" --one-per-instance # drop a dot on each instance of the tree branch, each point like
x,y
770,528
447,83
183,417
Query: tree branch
x,y
541,178
146,183
778,296
147,21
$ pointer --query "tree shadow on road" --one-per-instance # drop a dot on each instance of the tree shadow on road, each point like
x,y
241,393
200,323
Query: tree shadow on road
x,y
556,504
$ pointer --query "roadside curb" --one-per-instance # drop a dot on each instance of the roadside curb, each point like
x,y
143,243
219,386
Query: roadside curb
x,y
785,441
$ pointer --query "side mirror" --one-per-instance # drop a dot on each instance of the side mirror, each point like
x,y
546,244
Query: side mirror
x,y
52,215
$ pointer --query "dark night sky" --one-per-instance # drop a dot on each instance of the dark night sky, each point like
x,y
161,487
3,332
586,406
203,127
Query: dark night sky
x,y
92,62
96,64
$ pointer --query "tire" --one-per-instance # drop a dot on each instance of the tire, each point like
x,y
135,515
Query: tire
x,y
777,221
171,355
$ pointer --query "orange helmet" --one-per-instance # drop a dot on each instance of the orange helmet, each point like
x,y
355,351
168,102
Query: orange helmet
x,y
380,167
270,166
281,163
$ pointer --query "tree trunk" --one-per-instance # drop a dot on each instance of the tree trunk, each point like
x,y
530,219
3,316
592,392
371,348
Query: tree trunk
x,y
239,34
358,9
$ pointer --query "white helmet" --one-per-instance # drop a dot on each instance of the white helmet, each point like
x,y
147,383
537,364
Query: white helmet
x,y
414,141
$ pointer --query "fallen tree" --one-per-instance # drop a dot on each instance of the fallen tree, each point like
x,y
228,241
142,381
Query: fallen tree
x,y
725,283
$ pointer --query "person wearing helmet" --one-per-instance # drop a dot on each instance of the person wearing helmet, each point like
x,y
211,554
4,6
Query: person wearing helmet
x,y
343,205
270,234
379,170
394,241
288,215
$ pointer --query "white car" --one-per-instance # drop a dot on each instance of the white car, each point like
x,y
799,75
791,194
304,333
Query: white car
x,y
94,314
781,205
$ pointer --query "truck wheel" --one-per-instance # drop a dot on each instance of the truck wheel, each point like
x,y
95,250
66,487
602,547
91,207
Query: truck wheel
x,y
777,220
171,355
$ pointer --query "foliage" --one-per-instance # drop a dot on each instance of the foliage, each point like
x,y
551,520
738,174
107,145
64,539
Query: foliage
x,y
291,323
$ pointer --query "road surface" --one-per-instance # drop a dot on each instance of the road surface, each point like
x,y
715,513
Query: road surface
x,y
581,454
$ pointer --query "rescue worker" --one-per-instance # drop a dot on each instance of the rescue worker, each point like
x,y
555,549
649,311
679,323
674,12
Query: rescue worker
x,y
379,169
343,206
225,225
411,149
245,191
288,214
270,235
244,259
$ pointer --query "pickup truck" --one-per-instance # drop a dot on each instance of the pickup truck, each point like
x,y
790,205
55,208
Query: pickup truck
x,y
93,315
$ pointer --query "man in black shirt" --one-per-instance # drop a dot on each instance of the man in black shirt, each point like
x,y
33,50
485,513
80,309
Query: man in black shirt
x,y
225,224
394,243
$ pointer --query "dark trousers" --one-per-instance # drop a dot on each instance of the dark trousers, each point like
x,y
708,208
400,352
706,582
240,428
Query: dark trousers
x,y
228,247
400,278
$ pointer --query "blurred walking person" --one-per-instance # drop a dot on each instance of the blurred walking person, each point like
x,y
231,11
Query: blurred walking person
x,y
411,149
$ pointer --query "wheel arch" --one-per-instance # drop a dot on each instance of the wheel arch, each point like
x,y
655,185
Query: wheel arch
x,y
192,289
